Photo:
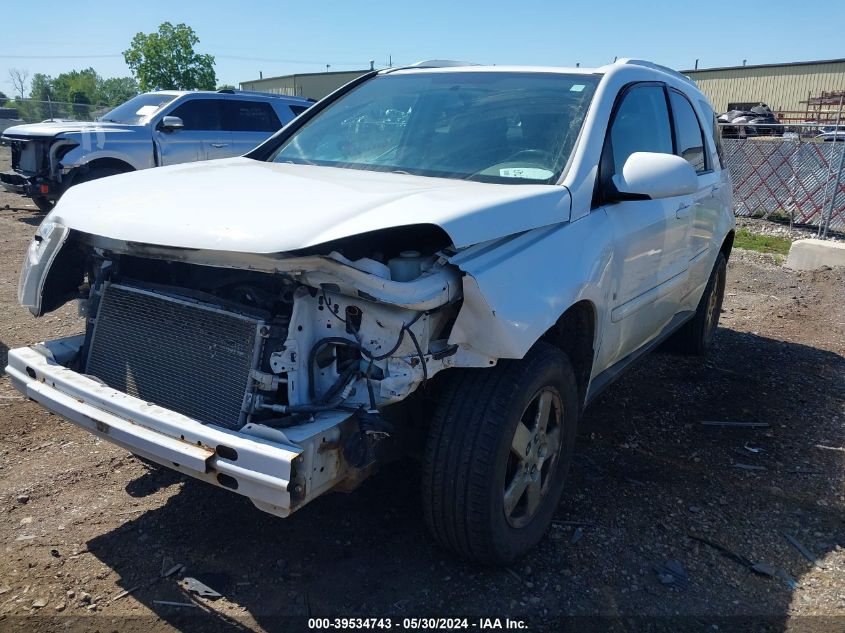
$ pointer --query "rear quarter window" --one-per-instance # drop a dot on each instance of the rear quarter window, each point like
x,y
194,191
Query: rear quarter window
x,y
297,109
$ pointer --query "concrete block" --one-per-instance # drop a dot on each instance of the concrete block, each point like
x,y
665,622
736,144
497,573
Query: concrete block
x,y
812,254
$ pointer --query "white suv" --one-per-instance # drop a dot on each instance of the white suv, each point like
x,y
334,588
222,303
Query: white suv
x,y
448,262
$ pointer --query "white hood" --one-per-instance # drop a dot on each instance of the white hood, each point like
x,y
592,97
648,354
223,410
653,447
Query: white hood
x,y
248,206
53,128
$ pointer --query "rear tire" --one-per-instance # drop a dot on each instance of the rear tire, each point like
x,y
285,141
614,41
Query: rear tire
x,y
498,453
695,337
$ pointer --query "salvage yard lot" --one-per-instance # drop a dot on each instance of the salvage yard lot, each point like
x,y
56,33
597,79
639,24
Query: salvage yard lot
x,y
83,521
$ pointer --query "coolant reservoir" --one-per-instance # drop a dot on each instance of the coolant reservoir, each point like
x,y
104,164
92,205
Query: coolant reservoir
x,y
407,266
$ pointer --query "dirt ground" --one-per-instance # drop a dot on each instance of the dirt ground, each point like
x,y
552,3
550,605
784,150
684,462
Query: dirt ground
x,y
82,521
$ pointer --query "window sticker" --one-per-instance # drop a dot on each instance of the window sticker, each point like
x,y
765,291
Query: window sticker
x,y
577,88
531,173
146,110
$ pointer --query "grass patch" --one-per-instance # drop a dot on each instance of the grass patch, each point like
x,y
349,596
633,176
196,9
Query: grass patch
x,y
761,243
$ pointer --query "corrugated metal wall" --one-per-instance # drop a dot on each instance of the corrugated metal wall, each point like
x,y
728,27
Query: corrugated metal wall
x,y
781,87
308,85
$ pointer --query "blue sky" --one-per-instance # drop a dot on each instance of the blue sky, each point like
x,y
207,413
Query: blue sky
x,y
282,37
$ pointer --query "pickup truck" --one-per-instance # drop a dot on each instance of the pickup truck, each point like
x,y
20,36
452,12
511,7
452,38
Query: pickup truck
x,y
149,130
439,262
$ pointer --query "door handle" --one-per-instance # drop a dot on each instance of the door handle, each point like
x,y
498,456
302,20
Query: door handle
x,y
220,145
683,211
715,188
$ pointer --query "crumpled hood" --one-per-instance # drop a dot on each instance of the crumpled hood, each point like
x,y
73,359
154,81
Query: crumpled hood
x,y
54,128
244,205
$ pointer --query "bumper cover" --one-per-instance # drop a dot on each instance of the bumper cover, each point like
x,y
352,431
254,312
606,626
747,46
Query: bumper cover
x,y
279,472
14,182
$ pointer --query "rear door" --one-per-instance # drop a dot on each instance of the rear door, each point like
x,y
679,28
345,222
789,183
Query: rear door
x,y
202,136
691,144
650,236
249,123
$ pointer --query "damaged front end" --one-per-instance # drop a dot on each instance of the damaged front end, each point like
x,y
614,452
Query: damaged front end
x,y
272,375
37,171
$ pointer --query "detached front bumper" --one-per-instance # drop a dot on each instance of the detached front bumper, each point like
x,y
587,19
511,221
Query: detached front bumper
x,y
279,472
15,183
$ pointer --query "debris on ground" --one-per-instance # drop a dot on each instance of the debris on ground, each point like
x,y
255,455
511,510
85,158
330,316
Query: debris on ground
x,y
748,466
739,558
125,593
177,568
737,425
672,572
803,550
192,585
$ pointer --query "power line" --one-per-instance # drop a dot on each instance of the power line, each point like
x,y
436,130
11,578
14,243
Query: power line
x,y
2,56
236,57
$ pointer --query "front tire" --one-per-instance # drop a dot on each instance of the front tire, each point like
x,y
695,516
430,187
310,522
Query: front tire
x,y
100,172
44,205
498,453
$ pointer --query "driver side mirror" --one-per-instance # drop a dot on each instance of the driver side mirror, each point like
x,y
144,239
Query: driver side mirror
x,y
654,176
170,124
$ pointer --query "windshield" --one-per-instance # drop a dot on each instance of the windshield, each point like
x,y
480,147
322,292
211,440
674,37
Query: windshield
x,y
489,126
138,109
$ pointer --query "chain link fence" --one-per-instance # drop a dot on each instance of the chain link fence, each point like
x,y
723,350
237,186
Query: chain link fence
x,y
790,173
34,111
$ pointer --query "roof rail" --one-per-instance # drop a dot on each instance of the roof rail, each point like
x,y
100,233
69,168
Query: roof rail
x,y
647,64
441,63
432,63
259,93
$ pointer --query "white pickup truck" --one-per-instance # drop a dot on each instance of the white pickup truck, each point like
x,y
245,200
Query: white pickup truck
x,y
439,261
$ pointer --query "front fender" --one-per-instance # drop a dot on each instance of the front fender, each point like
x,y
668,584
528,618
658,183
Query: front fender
x,y
135,151
517,288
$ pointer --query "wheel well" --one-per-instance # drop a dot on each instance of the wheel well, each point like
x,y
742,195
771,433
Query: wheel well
x,y
575,332
110,163
727,245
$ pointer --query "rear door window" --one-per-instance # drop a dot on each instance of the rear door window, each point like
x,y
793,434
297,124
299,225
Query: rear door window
x,y
688,133
200,114
251,116
297,109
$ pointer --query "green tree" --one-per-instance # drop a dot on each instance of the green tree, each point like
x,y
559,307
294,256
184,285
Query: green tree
x,y
82,83
226,87
116,90
166,60
41,93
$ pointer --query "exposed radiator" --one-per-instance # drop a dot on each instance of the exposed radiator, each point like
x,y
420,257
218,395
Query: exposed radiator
x,y
184,356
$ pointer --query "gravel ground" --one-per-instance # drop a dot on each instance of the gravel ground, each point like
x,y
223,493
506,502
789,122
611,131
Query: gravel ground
x,y
653,496
784,230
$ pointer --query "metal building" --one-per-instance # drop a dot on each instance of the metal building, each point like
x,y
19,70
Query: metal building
x,y
307,85
785,88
